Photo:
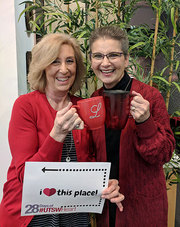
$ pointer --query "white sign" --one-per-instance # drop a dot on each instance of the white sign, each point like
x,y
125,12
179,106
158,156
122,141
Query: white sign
x,y
60,187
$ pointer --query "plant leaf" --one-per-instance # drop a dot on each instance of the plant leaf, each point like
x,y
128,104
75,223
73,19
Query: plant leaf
x,y
136,45
172,19
177,85
162,79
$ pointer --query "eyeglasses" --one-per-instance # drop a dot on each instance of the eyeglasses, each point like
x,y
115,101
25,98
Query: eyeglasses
x,y
111,56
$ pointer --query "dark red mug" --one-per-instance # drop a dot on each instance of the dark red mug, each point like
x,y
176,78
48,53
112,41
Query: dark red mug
x,y
117,105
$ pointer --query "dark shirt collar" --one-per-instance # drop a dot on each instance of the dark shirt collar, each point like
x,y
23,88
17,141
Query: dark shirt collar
x,y
121,85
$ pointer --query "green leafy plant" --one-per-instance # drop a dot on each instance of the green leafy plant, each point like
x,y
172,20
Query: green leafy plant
x,y
172,170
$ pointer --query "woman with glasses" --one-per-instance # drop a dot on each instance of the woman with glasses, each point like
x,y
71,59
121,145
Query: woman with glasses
x,y
138,151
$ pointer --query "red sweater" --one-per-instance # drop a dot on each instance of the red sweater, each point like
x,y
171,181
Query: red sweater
x,y
31,122
144,148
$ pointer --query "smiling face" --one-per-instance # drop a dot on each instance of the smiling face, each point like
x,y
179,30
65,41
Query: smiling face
x,y
61,73
109,71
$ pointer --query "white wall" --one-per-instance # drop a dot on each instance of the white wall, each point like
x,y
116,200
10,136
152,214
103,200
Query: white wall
x,y
8,80
12,73
24,43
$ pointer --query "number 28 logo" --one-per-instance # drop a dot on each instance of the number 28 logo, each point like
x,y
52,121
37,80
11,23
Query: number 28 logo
x,y
32,208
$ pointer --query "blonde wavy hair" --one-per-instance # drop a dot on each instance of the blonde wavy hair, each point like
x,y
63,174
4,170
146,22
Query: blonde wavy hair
x,y
45,52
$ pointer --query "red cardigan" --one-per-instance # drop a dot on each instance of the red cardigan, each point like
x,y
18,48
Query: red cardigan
x,y
144,148
31,121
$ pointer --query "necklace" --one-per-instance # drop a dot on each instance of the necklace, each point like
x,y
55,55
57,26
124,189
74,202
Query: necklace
x,y
68,159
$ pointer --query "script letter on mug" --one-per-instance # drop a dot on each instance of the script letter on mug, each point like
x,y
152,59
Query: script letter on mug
x,y
95,109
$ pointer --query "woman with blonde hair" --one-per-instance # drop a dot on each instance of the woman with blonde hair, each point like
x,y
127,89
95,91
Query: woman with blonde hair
x,y
45,128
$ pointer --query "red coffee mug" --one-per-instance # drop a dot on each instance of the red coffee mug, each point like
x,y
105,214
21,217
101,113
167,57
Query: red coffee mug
x,y
117,105
92,112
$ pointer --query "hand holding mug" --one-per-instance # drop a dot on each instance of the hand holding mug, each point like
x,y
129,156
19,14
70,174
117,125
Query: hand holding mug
x,y
140,108
66,120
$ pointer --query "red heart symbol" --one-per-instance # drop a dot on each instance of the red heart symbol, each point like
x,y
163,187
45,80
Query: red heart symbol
x,y
49,191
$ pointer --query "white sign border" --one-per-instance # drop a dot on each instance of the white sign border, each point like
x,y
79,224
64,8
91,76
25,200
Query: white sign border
x,y
67,167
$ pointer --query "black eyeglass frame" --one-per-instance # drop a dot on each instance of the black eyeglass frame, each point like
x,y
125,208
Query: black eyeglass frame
x,y
119,54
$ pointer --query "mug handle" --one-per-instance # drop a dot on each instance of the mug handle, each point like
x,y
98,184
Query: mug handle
x,y
77,107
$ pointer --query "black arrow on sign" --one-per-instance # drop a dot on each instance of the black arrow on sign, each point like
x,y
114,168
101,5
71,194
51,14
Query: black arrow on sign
x,y
45,170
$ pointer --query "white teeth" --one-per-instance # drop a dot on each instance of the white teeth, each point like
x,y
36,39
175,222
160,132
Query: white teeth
x,y
62,79
107,71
